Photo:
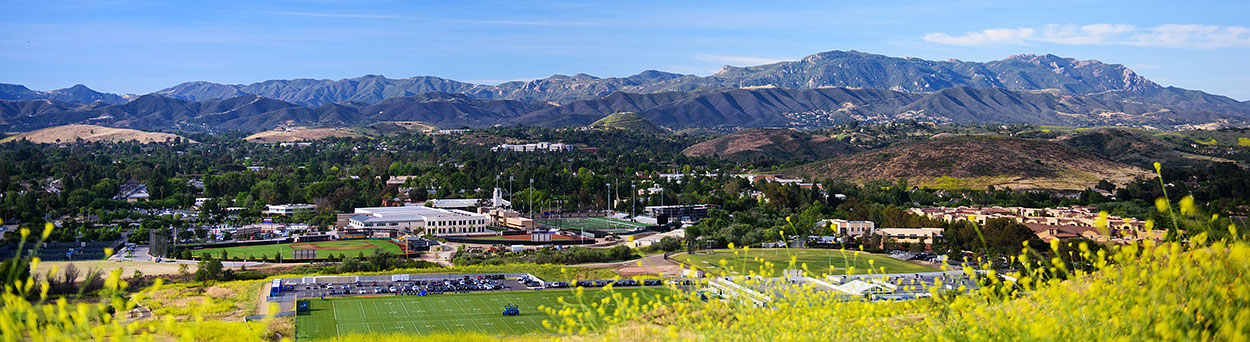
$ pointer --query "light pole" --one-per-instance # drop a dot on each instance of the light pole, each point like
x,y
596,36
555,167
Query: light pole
x,y
633,202
608,200
531,198
510,178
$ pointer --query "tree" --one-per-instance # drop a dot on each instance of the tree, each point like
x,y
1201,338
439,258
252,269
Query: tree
x,y
210,269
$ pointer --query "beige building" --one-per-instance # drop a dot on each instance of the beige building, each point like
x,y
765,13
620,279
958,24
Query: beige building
x,y
926,236
508,219
851,228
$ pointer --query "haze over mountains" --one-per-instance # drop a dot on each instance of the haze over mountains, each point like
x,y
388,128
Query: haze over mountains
x,y
817,91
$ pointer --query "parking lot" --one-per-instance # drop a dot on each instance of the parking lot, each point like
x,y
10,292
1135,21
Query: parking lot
x,y
456,283
450,284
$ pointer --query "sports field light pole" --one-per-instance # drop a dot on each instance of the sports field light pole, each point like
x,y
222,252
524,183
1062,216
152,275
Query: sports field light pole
x,y
608,200
531,198
510,179
633,203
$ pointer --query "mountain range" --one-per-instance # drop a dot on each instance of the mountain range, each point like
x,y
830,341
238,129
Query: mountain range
x,y
816,91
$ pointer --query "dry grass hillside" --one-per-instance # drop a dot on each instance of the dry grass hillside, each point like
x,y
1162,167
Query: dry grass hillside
x,y
1136,147
770,143
975,162
300,134
91,133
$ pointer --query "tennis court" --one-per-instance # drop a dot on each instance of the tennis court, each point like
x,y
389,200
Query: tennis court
x,y
473,312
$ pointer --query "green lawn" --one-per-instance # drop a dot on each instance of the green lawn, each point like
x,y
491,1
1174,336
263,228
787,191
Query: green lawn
x,y
473,312
591,223
256,252
817,260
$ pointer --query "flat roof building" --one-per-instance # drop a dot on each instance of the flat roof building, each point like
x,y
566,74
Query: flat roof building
x,y
419,220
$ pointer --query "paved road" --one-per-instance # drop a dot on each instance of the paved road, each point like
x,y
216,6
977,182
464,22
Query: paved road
x,y
140,253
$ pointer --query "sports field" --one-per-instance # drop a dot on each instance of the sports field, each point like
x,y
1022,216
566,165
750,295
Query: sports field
x,y
474,312
818,262
591,223
348,248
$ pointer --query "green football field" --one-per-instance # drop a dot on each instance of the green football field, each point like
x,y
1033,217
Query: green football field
x,y
348,248
591,223
472,312
818,262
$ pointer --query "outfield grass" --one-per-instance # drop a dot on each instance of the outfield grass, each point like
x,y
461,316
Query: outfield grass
x,y
818,262
325,248
445,313
591,223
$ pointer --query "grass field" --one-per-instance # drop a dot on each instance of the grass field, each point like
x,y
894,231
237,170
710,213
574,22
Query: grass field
x,y
471,312
324,248
591,223
818,262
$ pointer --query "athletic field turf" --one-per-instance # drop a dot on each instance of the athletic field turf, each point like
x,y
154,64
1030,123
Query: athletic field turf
x,y
349,248
591,223
817,260
473,312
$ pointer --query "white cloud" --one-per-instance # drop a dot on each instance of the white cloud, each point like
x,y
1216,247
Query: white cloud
x,y
1193,36
1169,36
739,60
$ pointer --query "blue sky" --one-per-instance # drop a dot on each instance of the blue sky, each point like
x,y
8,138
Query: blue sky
x,y
143,46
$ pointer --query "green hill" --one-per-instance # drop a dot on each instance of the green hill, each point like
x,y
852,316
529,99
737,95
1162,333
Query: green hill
x,y
627,121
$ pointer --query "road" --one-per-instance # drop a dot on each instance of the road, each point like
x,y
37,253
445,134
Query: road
x,y
140,253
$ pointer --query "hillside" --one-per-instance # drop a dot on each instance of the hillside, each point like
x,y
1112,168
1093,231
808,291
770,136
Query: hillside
x,y
1139,148
770,144
299,134
628,121
92,133
975,162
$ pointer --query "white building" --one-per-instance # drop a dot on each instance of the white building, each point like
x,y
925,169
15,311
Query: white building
x,y
851,228
419,220
534,147
288,209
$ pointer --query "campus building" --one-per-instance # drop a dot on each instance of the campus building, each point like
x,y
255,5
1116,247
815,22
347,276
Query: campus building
x,y
288,209
688,213
925,236
533,147
417,220
851,228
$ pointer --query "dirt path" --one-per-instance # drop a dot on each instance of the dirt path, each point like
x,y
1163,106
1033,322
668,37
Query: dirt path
x,y
649,265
